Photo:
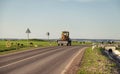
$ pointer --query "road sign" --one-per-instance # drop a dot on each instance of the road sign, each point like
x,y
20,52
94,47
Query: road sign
x,y
28,30
48,33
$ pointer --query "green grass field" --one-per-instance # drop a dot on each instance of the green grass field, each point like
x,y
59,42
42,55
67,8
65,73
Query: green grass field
x,y
18,45
95,62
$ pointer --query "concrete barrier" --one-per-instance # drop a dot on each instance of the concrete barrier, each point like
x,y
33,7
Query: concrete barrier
x,y
110,47
116,53
112,50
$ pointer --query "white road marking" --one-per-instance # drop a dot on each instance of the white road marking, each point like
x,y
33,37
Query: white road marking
x,y
68,65
24,59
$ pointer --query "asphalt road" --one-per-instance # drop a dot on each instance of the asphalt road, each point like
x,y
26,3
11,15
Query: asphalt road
x,y
51,60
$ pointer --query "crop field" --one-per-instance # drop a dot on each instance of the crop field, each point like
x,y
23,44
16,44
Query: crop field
x,y
17,45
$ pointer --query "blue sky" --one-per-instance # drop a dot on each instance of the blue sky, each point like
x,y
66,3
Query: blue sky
x,y
93,19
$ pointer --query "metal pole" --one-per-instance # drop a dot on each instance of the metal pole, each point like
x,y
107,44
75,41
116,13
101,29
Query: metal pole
x,y
48,38
28,31
28,39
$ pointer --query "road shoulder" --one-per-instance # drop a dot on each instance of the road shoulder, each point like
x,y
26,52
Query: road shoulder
x,y
74,64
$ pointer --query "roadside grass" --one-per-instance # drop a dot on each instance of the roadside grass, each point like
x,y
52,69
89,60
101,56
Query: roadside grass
x,y
19,45
94,62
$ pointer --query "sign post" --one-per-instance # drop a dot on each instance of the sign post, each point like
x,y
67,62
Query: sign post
x,y
48,34
28,31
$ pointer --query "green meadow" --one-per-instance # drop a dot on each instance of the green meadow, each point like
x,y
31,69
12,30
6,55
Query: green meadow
x,y
7,46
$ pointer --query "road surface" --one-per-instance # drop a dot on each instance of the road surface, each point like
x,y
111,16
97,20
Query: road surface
x,y
51,60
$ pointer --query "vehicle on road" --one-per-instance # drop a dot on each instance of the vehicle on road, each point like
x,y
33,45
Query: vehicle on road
x,y
65,39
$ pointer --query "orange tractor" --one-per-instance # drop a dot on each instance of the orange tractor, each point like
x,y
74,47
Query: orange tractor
x,y
65,40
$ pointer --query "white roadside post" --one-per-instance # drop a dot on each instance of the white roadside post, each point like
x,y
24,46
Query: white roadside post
x,y
93,46
28,31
